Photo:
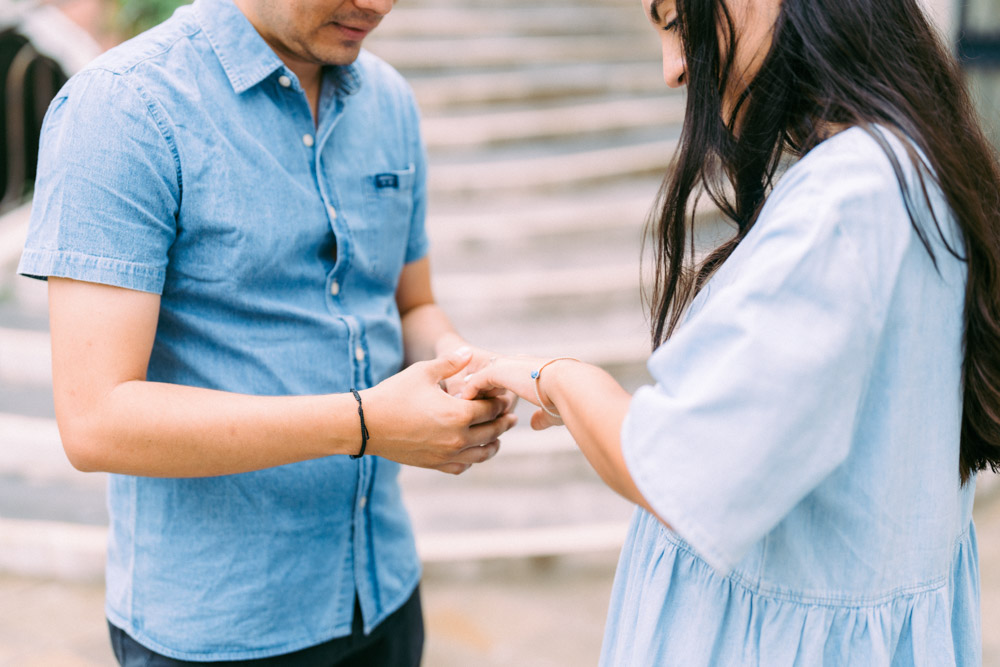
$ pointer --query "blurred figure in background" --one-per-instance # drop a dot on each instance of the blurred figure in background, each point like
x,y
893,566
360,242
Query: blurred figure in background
x,y
230,211
828,381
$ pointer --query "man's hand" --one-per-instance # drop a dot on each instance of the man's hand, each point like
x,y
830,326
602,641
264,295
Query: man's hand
x,y
413,421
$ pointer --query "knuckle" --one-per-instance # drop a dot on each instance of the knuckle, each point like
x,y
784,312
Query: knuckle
x,y
460,414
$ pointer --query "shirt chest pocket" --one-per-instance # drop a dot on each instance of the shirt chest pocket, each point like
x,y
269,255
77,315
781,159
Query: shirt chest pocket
x,y
382,235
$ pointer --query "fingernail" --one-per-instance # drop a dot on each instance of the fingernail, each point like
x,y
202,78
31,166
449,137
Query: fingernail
x,y
463,351
467,377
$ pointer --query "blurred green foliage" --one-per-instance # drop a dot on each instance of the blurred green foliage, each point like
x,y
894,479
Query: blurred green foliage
x,y
133,16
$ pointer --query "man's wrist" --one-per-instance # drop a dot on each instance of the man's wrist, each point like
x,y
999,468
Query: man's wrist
x,y
342,422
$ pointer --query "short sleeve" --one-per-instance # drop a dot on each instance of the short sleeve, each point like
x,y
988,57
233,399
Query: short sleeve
x,y
758,393
108,187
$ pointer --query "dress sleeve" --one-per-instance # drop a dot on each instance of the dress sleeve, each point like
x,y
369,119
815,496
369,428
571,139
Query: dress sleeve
x,y
108,187
758,393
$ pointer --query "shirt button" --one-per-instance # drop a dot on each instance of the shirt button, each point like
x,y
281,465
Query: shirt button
x,y
332,211
284,81
308,140
359,353
363,502
334,288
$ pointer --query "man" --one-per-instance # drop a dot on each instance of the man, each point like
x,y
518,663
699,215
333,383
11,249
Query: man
x,y
230,212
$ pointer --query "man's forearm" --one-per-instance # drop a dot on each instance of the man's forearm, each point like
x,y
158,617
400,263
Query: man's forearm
x,y
164,430
428,333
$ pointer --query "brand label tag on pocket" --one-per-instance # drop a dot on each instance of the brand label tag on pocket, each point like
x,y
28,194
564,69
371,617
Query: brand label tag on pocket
x,y
383,181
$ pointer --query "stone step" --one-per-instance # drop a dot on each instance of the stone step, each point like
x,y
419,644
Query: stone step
x,y
422,20
548,171
30,401
518,231
545,251
526,294
25,357
473,502
620,344
32,451
476,128
13,230
432,54
542,81
513,220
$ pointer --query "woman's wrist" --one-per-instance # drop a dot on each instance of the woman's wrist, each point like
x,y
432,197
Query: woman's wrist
x,y
547,386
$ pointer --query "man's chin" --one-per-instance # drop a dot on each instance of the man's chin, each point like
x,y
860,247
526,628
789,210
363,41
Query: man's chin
x,y
339,56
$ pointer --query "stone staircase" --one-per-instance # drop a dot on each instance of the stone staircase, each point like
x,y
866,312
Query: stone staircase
x,y
548,129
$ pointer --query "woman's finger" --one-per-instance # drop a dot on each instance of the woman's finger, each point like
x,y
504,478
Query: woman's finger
x,y
479,383
478,454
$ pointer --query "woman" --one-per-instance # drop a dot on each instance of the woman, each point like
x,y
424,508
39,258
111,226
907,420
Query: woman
x,y
827,382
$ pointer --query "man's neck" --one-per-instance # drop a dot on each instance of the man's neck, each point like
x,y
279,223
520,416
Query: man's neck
x,y
310,76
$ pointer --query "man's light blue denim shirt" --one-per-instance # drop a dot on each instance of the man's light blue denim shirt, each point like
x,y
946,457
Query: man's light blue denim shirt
x,y
186,163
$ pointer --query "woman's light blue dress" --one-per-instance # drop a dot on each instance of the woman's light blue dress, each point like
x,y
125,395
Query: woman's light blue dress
x,y
802,439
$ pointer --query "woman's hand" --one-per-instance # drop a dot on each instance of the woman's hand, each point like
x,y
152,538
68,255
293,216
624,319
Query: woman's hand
x,y
592,402
413,421
514,374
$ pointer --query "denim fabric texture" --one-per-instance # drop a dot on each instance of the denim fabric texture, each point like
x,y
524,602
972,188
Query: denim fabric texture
x,y
186,163
802,441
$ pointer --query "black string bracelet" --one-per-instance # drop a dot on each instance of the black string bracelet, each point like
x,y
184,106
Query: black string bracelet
x,y
364,429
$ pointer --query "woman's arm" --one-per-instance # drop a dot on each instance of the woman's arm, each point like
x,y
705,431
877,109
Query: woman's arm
x,y
588,400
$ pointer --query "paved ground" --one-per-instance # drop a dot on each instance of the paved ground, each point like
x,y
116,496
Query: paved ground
x,y
532,614
529,613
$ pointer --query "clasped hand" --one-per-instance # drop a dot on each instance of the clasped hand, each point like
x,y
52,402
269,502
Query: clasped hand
x,y
511,374
413,420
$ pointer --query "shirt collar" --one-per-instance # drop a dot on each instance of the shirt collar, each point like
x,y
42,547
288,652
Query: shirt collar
x,y
246,58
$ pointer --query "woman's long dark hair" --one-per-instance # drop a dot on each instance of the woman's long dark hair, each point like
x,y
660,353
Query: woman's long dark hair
x,y
835,62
